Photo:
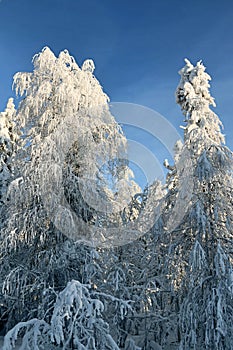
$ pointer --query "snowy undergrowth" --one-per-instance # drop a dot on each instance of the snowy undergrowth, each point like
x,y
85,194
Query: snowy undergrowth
x,y
76,322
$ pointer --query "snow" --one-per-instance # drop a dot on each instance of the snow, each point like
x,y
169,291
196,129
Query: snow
x,y
17,345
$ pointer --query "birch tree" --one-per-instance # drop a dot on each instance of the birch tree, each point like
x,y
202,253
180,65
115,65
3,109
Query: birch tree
x,y
74,159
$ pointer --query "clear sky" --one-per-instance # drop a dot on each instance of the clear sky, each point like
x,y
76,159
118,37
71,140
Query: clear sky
x,y
138,46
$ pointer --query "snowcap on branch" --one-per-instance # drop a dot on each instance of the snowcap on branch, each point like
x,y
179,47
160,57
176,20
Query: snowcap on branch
x,y
193,95
193,89
88,66
7,121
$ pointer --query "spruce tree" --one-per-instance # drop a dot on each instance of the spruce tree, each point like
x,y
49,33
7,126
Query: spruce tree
x,y
199,247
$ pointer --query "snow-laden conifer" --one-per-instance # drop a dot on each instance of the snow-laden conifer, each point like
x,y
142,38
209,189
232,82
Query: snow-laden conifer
x,y
201,243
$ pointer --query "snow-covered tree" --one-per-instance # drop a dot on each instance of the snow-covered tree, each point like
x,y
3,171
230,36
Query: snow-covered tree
x,y
9,137
74,159
131,272
198,248
9,160
77,150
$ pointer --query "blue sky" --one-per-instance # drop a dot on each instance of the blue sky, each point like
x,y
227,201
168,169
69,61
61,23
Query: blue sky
x,y
138,47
